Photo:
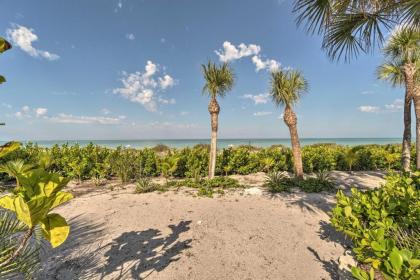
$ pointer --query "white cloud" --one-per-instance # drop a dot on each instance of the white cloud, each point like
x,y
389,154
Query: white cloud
x,y
130,36
369,109
162,40
23,37
40,112
396,106
166,101
71,119
28,112
165,125
261,114
258,99
184,113
270,65
143,87
166,82
368,92
231,52
105,111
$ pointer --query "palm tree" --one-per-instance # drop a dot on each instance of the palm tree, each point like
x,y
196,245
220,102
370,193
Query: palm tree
x,y
351,27
286,90
218,81
394,73
402,51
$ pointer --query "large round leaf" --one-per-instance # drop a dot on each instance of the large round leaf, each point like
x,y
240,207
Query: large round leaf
x,y
55,229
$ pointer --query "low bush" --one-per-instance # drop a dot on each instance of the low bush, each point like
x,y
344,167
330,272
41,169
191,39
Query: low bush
x,y
277,182
280,182
99,163
145,185
384,226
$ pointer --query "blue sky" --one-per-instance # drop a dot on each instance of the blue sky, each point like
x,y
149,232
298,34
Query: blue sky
x,y
130,69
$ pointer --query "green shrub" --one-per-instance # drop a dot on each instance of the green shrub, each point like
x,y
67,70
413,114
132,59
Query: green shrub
x,y
375,219
277,182
145,185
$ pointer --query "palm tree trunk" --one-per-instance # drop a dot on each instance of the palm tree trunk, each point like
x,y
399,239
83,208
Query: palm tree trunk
x,y
406,144
291,121
214,110
409,73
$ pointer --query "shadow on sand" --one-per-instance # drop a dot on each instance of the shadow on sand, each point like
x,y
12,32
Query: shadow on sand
x,y
135,253
128,256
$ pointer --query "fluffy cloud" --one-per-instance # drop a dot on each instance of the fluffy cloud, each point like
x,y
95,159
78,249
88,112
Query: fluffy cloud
x,y
396,106
231,52
369,109
258,99
71,119
28,112
144,87
270,65
166,82
262,114
130,36
23,37
39,112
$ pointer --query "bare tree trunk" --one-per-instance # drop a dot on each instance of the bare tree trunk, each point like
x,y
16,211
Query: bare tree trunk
x,y
406,144
291,121
412,91
214,110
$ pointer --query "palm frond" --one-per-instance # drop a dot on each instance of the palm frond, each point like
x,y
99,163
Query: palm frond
x,y
391,72
218,79
287,86
351,27
26,264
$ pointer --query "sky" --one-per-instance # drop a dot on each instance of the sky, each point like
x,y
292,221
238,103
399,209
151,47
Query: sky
x,y
131,69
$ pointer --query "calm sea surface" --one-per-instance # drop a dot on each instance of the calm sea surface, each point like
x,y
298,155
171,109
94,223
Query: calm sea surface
x,y
222,143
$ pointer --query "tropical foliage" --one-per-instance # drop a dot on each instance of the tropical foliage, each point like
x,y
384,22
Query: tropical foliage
x,y
286,90
27,209
349,28
4,46
128,164
218,81
384,226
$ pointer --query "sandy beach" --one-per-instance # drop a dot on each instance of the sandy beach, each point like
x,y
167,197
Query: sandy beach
x,y
243,234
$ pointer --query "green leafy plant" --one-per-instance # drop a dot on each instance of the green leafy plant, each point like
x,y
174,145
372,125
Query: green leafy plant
x,y
277,182
4,46
145,185
39,193
372,219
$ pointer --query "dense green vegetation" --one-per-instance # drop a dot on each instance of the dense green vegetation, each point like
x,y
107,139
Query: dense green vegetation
x,y
100,163
25,214
384,225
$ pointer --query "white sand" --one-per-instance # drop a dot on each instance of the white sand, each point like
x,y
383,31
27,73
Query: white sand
x,y
245,234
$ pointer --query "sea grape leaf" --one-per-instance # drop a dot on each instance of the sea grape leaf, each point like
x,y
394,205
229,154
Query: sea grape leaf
x,y
55,229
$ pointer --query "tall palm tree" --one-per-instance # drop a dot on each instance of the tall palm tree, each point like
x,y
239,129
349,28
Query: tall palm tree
x,y
286,90
402,68
350,27
218,81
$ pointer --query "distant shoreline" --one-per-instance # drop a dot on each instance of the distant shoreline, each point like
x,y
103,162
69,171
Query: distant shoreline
x,y
222,143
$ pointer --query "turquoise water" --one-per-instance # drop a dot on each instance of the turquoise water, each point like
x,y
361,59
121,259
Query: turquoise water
x,y
222,143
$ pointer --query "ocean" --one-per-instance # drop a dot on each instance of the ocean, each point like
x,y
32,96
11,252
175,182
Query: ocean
x,y
222,143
